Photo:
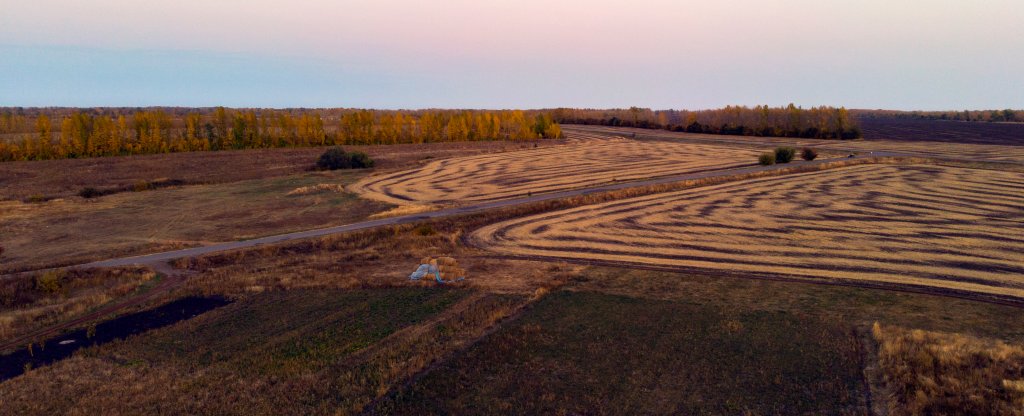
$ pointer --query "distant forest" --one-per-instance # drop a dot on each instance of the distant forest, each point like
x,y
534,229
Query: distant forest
x,y
790,121
61,133
992,116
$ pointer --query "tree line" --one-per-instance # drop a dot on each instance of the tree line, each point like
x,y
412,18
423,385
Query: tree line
x,y
993,116
40,134
790,121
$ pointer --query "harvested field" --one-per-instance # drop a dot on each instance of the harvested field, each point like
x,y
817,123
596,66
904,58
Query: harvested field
x,y
574,131
588,161
964,151
1008,150
62,178
942,131
948,228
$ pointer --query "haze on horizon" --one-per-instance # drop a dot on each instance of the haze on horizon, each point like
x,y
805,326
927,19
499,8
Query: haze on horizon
x,y
910,54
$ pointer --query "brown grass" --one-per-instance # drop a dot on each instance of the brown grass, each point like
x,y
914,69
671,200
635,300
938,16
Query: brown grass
x,y
941,373
36,300
404,210
316,189
72,231
926,226
65,178
300,368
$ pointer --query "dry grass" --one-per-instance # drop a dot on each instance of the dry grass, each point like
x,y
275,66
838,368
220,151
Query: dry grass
x,y
587,161
32,301
297,352
941,373
72,230
926,226
65,178
246,196
404,210
316,189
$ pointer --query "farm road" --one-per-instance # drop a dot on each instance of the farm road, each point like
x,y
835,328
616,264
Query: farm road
x,y
174,278
156,258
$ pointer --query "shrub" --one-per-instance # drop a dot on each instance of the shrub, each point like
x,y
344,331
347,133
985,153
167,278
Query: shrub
x,y
90,192
425,230
50,282
784,154
336,158
808,154
142,186
360,160
35,199
766,159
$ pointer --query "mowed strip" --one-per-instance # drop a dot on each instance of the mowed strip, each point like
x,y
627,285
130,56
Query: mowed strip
x,y
952,228
968,151
938,149
588,161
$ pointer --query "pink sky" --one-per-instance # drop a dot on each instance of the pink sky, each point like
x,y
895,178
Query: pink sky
x,y
389,53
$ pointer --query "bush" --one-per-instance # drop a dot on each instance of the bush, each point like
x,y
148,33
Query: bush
x,y
784,154
766,159
142,186
360,160
90,192
808,154
50,282
425,230
336,158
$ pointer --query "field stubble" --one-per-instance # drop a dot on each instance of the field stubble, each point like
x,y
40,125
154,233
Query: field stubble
x,y
586,161
929,226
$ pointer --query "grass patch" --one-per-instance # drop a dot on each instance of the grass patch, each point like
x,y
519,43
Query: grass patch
x,y
933,373
585,352
71,231
278,352
35,300
288,333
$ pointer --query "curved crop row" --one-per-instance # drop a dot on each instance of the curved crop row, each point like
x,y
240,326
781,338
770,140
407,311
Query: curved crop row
x,y
920,225
588,161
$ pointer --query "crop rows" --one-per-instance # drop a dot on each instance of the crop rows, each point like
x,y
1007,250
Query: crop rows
x,y
920,142
951,228
586,161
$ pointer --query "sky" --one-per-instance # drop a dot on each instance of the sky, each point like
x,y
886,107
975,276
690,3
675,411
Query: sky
x,y
894,54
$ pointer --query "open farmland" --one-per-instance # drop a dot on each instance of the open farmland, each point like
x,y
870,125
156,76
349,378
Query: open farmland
x,y
62,178
588,161
948,228
962,151
975,132
919,144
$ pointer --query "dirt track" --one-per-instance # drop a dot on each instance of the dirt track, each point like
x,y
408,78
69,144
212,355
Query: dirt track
x,y
160,259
